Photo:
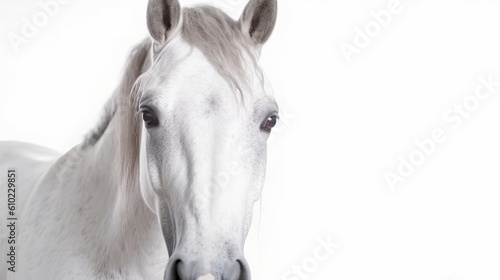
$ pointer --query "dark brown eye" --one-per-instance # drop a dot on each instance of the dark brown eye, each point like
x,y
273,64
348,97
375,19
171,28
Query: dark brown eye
x,y
149,117
270,123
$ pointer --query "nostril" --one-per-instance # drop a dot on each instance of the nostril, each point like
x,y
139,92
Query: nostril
x,y
232,271
244,270
172,271
181,270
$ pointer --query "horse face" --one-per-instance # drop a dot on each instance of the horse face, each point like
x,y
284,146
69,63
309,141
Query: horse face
x,y
203,143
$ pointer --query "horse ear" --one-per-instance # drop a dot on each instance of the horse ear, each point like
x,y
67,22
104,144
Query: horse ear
x,y
259,18
163,17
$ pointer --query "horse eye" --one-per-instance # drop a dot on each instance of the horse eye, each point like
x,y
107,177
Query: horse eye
x,y
270,123
149,117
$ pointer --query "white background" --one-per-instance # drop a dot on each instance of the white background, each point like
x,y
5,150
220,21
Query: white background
x,y
345,124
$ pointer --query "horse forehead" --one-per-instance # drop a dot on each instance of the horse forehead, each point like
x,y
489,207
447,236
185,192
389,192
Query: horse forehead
x,y
188,69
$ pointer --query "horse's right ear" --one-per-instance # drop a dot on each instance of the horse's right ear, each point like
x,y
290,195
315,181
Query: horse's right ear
x,y
163,17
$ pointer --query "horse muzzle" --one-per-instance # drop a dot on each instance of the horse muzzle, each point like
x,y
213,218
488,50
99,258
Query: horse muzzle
x,y
180,268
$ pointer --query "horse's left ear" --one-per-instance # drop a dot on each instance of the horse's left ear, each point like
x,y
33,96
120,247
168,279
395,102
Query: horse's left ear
x,y
258,19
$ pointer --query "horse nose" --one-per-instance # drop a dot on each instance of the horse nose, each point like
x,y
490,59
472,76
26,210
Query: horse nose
x,y
206,277
184,270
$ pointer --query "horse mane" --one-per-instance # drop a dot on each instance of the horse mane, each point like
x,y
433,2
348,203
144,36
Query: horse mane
x,y
123,103
128,96
134,68
207,28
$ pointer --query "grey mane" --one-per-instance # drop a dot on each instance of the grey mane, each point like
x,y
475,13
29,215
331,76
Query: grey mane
x,y
134,68
96,133
220,39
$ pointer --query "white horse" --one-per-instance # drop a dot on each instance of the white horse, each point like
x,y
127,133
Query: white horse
x,y
169,196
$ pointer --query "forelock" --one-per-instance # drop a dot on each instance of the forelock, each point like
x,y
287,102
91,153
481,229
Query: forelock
x,y
221,40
